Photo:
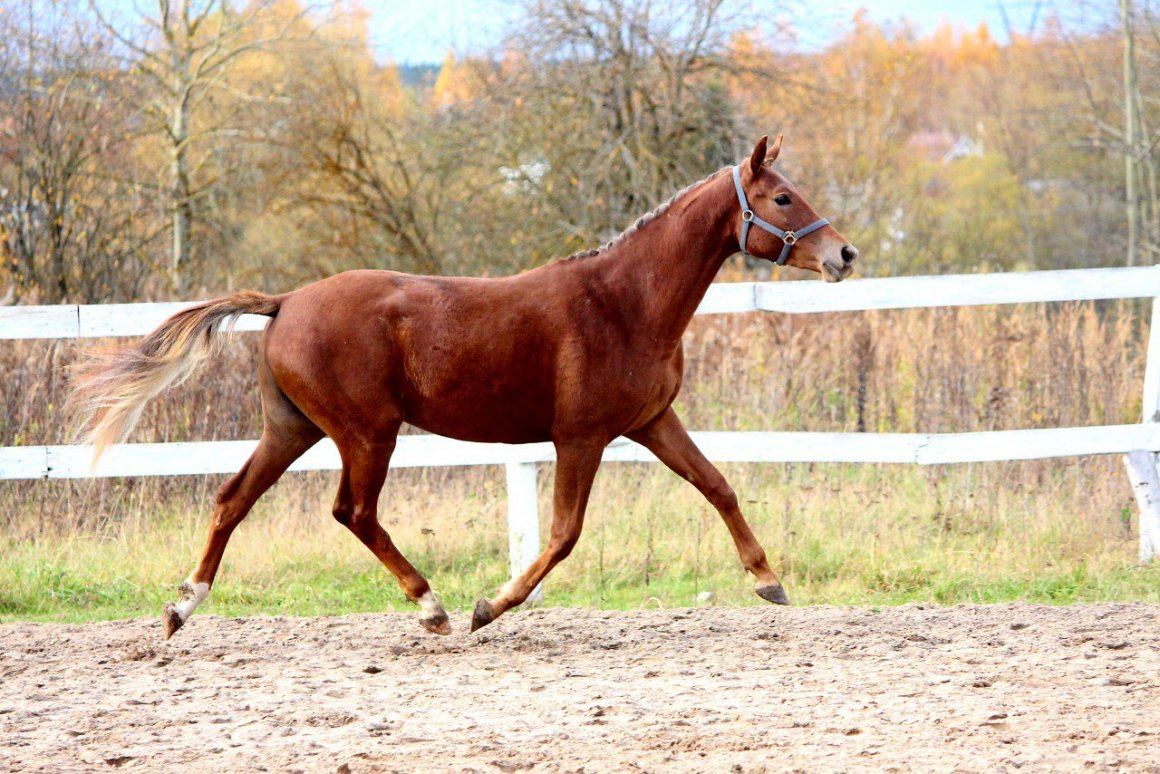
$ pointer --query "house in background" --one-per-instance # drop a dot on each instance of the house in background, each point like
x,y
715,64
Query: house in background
x,y
943,147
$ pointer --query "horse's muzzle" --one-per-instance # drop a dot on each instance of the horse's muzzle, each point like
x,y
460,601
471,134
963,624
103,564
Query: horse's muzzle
x,y
832,271
837,270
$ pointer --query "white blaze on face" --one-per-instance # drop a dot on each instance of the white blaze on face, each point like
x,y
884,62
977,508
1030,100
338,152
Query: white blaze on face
x,y
192,595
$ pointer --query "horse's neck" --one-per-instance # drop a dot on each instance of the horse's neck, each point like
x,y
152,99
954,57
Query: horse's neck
x,y
667,265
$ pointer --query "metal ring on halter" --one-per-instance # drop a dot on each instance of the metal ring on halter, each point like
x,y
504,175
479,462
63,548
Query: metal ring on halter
x,y
789,238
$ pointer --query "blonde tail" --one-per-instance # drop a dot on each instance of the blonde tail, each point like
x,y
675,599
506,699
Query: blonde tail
x,y
111,389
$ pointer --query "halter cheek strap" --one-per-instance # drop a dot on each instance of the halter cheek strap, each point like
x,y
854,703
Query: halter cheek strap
x,y
788,238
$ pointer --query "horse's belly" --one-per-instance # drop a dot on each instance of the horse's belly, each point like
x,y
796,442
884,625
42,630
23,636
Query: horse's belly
x,y
463,432
483,421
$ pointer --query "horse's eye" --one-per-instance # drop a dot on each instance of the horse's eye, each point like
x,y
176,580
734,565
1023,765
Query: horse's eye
x,y
782,199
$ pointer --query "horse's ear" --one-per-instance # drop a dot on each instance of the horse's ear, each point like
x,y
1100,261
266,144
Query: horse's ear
x,y
758,157
771,156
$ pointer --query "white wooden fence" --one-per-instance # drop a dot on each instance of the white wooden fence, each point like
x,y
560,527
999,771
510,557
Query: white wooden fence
x,y
1140,442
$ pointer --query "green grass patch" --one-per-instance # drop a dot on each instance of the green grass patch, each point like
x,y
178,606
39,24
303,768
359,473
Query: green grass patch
x,y
837,534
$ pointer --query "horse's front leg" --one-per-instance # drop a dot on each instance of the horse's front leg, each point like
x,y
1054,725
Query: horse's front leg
x,y
576,465
667,439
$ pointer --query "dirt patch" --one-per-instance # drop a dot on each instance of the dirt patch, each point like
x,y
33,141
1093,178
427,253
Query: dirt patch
x,y
964,688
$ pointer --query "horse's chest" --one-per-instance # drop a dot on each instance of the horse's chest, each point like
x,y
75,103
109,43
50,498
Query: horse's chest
x,y
635,394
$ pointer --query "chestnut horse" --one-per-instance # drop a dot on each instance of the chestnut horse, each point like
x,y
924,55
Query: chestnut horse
x,y
577,352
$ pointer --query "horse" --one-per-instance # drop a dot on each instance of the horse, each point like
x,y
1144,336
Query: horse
x,y
578,352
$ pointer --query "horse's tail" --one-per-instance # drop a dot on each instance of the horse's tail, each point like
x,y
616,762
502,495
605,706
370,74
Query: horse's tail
x,y
111,389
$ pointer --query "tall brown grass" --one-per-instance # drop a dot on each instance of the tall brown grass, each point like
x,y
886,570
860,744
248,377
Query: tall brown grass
x,y
939,370
853,532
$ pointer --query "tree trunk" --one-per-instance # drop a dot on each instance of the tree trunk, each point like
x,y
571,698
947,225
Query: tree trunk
x,y
179,176
1131,123
181,61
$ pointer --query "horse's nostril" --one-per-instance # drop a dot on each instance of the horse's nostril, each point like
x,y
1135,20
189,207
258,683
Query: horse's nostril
x,y
849,253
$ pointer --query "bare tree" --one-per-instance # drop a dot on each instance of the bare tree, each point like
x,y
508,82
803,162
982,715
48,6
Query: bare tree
x,y
397,178
627,102
1149,140
1131,91
367,171
1131,130
67,231
185,57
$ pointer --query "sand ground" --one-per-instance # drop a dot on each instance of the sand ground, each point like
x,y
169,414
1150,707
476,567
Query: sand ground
x,y
967,688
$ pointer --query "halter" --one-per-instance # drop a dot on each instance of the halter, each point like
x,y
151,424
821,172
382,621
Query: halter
x,y
788,238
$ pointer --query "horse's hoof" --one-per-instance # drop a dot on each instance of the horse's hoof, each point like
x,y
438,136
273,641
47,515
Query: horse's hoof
x,y
775,594
482,616
437,624
171,619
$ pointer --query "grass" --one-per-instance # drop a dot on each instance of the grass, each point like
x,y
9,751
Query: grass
x,y
839,534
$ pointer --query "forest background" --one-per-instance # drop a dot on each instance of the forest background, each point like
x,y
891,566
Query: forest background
x,y
182,148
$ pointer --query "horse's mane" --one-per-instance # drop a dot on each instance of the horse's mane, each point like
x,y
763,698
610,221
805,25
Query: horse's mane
x,y
643,219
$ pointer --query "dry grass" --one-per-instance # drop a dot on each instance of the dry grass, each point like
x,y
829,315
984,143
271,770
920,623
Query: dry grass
x,y
840,533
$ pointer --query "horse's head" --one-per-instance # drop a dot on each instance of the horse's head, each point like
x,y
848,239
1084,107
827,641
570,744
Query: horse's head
x,y
778,224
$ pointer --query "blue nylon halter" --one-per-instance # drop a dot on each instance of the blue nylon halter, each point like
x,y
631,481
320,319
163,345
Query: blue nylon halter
x,y
788,238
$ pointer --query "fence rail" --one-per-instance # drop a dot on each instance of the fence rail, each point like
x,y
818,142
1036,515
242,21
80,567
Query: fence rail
x,y
1140,442
418,451
71,321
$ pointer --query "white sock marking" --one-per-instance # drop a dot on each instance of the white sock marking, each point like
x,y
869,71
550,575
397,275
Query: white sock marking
x,y
187,604
432,607
506,591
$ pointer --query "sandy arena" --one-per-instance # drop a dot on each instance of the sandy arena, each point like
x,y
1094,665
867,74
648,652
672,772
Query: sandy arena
x,y
969,688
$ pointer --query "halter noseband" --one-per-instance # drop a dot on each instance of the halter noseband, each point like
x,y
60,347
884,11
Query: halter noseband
x,y
788,238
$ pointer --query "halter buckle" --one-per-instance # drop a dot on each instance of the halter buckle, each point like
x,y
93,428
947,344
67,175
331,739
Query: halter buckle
x,y
790,238
747,215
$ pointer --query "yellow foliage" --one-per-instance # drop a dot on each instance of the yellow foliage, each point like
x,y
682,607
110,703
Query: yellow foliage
x,y
456,83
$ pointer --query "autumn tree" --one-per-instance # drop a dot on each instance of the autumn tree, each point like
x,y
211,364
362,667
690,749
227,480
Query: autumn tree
x,y
202,144
620,104
183,54
69,231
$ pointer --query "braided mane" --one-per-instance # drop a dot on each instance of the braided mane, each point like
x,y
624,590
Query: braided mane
x,y
643,219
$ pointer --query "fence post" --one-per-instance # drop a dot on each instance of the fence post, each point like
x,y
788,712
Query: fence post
x,y
523,520
1141,465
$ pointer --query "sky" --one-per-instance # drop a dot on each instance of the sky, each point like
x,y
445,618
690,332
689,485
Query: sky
x,y
410,32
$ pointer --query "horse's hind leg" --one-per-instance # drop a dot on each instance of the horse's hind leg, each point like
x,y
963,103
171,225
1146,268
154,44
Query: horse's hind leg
x,y
356,507
286,436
